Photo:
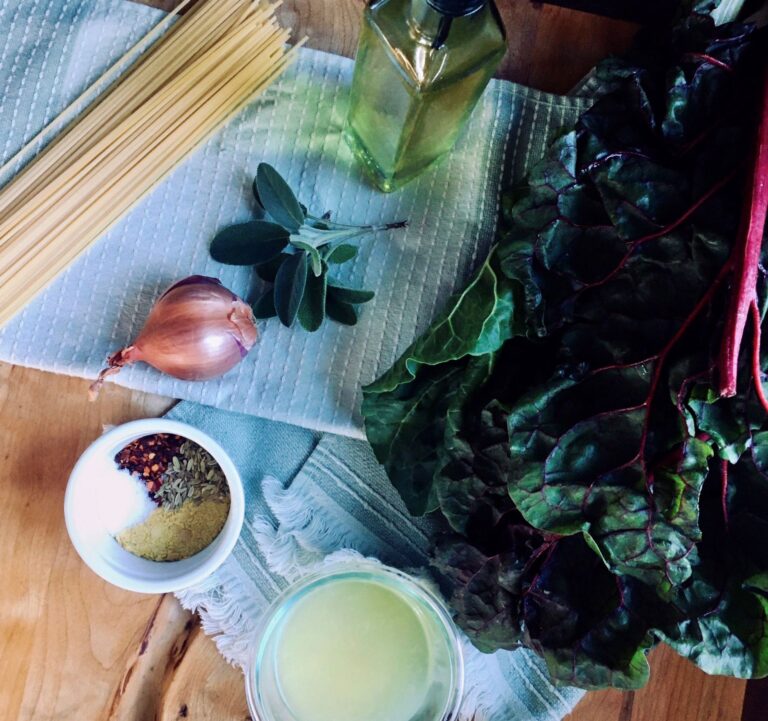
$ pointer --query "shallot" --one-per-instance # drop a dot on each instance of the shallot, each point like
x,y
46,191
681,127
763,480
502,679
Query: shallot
x,y
197,330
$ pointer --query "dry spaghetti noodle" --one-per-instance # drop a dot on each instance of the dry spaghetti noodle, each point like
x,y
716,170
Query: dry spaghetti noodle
x,y
191,80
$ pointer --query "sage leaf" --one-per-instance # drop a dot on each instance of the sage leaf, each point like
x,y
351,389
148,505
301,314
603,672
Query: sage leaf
x,y
317,264
264,307
258,210
312,236
268,270
342,253
349,295
314,254
249,243
317,223
290,283
277,198
339,311
312,309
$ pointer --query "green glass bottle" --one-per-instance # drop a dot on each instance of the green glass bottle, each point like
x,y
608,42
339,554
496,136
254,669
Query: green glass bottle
x,y
420,70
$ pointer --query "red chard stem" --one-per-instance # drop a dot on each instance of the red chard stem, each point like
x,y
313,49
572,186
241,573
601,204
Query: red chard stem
x,y
746,257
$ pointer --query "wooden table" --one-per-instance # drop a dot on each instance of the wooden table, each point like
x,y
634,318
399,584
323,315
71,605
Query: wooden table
x,y
74,647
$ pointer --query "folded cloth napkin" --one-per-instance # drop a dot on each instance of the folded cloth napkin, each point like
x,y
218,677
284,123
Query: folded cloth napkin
x,y
53,49
310,495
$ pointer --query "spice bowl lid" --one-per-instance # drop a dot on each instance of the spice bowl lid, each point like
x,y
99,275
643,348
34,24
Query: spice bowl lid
x,y
91,536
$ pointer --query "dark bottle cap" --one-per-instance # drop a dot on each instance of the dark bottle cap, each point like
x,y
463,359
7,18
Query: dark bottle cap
x,y
456,8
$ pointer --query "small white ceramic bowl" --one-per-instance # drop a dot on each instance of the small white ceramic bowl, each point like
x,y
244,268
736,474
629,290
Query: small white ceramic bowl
x,y
103,554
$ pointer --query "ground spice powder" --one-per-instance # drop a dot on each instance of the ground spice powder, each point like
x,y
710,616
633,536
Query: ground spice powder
x,y
172,535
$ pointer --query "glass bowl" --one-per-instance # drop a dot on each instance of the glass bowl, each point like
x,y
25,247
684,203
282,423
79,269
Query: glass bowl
x,y
356,641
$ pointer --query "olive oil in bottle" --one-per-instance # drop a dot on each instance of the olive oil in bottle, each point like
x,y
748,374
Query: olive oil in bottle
x,y
421,67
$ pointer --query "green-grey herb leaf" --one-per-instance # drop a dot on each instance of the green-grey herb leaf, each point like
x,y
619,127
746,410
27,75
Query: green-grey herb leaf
x,y
258,211
249,243
277,198
345,294
342,253
264,307
268,271
343,313
314,254
290,283
312,309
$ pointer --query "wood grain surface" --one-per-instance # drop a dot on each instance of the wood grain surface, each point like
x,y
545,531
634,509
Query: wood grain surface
x,y
74,647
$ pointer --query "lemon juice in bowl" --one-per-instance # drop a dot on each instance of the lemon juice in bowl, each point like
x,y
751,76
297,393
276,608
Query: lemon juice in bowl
x,y
361,642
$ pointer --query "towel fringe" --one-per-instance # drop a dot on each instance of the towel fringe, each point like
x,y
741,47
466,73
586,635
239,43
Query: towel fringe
x,y
223,617
305,533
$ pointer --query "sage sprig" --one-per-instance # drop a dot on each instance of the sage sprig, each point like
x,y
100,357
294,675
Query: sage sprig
x,y
295,250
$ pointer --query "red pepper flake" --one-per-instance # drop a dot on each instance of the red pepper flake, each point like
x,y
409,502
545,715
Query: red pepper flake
x,y
149,457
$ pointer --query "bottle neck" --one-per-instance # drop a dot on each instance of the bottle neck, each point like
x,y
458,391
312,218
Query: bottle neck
x,y
432,24
457,8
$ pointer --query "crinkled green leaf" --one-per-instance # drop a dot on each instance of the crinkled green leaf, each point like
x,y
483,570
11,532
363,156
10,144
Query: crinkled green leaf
x,y
581,464
477,321
530,590
405,409
591,634
720,616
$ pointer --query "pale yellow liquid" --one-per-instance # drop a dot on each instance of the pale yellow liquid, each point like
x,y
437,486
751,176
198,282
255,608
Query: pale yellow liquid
x,y
353,650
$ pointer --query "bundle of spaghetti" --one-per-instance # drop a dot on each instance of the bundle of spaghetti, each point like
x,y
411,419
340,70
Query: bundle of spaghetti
x,y
197,75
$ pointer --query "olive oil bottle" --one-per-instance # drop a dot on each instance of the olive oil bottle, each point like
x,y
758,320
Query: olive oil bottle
x,y
421,67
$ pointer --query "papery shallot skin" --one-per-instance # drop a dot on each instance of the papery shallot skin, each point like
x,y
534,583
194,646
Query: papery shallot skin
x,y
197,330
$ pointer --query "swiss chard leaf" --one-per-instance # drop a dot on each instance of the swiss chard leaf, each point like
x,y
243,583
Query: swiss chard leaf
x,y
529,590
405,409
477,321
720,616
591,635
644,528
